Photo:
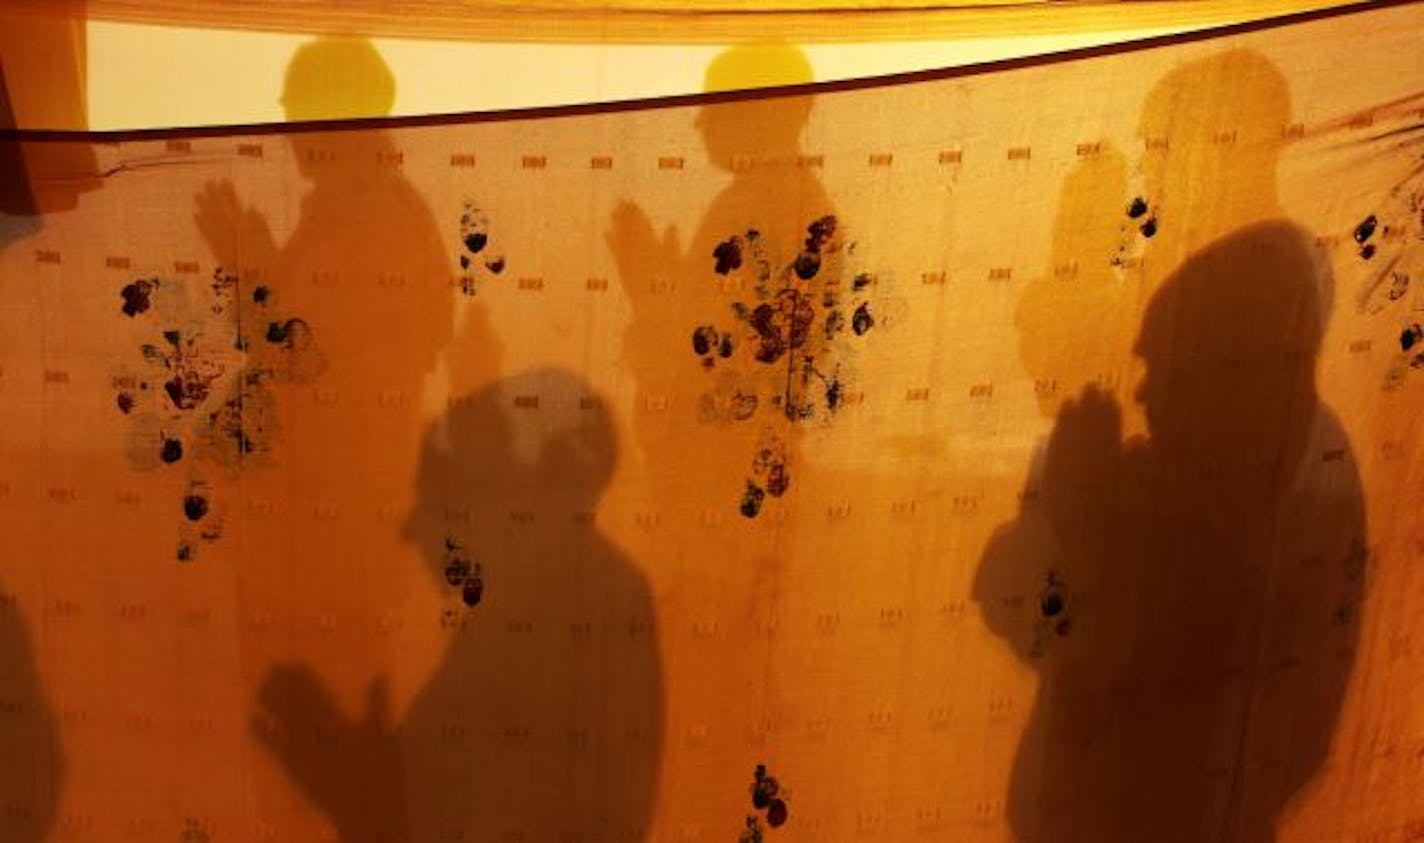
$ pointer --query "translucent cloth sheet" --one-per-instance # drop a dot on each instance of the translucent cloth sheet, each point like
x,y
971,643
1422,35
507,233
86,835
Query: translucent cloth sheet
x,y
1025,453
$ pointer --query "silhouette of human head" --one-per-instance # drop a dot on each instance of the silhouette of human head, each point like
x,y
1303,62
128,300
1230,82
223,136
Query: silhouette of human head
x,y
539,441
766,127
1220,121
335,78
1230,342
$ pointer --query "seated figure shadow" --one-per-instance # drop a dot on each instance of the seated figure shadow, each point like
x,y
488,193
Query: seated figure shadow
x,y
544,719
1188,598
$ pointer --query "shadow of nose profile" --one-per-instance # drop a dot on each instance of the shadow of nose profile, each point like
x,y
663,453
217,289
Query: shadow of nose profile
x,y
544,718
1189,599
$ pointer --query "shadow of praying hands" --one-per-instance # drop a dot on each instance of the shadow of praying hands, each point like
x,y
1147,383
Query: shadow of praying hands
x,y
352,770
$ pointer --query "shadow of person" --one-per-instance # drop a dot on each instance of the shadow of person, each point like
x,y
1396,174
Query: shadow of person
x,y
362,283
700,306
31,762
1189,598
544,719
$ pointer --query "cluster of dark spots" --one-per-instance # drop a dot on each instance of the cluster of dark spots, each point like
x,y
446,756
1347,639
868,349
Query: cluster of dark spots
x,y
260,294
752,499
862,280
728,255
767,796
1137,209
136,296
1410,336
125,402
833,394
1363,232
463,574
187,389
192,374
861,321
1054,618
834,324
475,237
818,233
770,476
195,506
782,324
172,450
185,552
238,424
709,343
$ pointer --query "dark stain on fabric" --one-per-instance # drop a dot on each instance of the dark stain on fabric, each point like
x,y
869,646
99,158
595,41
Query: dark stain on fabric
x,y
1410,336
728,255
767,796
137,295
862,321
476,239
752,498
1366,229
195,506
782,324
463,574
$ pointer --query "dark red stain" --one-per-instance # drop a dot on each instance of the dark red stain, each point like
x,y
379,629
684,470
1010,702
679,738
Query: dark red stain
x,y
1366,229
195,507
752,499
728,255
862,320
136,296
782,324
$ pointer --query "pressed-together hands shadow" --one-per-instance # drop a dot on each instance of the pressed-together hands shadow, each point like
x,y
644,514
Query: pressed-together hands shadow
x,y
545,716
